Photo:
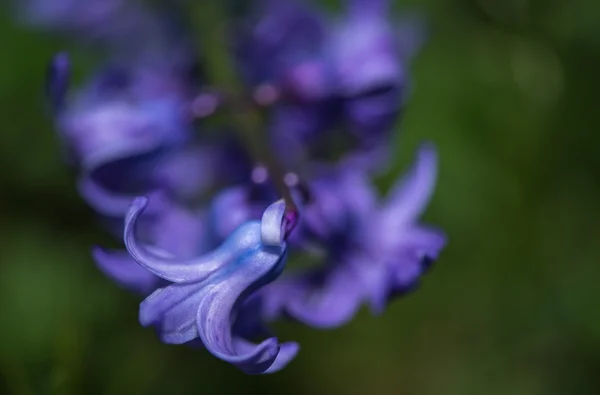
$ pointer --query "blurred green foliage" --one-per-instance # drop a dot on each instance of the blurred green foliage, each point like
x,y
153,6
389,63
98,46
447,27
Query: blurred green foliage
x,y
508,91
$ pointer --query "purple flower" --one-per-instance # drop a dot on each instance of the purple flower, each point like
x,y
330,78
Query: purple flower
x,y
280,46
372,251
371,53
129,131
167,226
105,21
326,74
208,292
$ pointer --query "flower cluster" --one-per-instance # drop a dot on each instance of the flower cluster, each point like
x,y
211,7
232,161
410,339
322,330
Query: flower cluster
x,y
207,235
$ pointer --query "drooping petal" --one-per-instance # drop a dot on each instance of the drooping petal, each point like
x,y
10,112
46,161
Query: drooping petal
x,y
287,352
208,308
175,269
253,269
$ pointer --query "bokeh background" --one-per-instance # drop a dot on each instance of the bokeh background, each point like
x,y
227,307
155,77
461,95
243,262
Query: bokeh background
x,y
507,89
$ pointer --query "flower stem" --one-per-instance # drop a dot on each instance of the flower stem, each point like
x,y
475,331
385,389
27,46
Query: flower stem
x,y
211,26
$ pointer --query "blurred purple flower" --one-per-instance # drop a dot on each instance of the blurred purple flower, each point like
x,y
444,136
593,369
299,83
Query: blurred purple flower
x,y
129,132
208,292
206,245
326,73
280,45
96,20
372,251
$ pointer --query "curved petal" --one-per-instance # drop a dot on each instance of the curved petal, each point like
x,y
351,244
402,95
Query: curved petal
x,y
172,311
287,352
103,201
253,269
124,270
272,224
174,269
412,193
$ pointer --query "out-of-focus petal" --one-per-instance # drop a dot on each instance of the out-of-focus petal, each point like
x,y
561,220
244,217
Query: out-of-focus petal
x,y
409,197
325,298
125,271
57,80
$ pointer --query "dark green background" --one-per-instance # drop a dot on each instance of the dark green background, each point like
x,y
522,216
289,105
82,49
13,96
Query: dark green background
x,y
508,89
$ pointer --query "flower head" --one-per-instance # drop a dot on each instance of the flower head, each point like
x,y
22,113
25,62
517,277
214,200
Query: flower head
x,y
372,251
207,291
205,245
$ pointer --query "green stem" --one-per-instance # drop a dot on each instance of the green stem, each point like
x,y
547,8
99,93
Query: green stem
x,y
211,27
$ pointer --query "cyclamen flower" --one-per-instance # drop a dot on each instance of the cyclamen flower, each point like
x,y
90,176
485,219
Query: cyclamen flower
x,y
372,251
207,292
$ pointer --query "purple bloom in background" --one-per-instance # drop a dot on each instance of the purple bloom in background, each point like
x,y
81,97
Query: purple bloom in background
x,y
326,74
280,45
207,291
371,54
372,251
91,21
130,132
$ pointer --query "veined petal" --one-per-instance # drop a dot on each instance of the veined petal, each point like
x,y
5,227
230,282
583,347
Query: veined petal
x,y
172,311
207,308
253,268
